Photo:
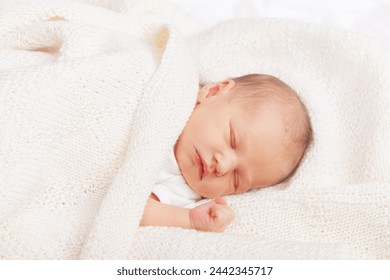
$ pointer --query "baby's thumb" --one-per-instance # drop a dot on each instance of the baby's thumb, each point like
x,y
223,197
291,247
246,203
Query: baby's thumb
x,y
220,200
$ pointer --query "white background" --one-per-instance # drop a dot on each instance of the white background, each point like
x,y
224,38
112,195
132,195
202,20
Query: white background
x,y
370,18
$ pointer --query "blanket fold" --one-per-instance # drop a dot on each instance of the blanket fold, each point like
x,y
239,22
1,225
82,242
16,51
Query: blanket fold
x,y
86,124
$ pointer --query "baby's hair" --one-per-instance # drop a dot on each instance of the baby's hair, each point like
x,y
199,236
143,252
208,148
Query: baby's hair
x,y
260,89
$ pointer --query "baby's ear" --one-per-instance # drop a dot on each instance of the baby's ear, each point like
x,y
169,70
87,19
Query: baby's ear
x,y
214,89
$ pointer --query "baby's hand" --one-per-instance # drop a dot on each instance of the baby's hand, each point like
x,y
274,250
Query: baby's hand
x,y
215,215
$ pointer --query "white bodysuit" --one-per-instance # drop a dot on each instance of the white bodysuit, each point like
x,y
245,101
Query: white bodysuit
x,y
171,188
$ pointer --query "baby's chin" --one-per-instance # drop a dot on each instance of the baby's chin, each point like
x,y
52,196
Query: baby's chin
x,y
190,181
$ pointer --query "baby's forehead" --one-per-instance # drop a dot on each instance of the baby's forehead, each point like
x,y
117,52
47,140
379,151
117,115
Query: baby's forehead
x,y
279,107
263,107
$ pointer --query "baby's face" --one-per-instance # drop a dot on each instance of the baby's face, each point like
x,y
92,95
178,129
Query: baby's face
x,y
224,150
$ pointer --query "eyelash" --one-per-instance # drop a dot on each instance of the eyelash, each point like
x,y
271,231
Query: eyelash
x,y
235,180
233,144
232,138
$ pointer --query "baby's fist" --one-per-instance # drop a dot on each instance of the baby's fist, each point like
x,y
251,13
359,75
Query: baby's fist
x,y
215,215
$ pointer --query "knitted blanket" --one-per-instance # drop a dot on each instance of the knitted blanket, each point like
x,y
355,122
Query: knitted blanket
x,y
94,94
92,101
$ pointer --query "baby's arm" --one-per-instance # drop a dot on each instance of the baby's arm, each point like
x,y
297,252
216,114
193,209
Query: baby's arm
x,y
215,215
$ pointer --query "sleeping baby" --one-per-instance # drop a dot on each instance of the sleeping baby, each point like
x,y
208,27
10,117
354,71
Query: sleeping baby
x,y
244,133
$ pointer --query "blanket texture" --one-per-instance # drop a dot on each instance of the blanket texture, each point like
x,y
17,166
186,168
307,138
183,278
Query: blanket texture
x,y
89,114
94,93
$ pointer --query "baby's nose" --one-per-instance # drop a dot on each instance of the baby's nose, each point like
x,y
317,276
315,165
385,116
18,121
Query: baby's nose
x,y
225,163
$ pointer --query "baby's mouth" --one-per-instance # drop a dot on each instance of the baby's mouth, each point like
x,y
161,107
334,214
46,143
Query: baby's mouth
x,y
199,164
203,169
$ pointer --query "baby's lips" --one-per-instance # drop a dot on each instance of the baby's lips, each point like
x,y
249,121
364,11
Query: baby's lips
x,y
205,166
199,164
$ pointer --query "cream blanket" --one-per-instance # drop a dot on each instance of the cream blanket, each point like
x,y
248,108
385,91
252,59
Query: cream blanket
x,y
95,93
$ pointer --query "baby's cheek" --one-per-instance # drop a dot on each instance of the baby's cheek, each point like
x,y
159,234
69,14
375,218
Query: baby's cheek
x,y
213,189
204,190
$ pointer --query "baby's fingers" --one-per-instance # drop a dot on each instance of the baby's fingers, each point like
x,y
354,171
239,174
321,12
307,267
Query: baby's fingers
x,y
220,200
222,216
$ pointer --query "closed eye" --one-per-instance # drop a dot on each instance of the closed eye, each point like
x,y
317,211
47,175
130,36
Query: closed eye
x,y
233,145
236,182
232,138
